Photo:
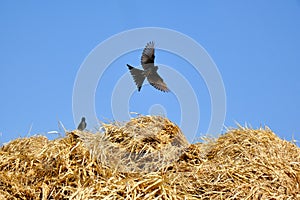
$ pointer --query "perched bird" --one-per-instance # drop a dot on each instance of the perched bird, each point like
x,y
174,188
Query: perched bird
x,y
82,124
149,72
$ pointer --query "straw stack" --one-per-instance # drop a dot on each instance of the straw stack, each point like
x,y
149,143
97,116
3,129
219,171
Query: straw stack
x,y
149,158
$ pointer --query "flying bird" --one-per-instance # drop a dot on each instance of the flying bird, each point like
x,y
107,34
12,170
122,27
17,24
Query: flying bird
x,y
150,70
82,124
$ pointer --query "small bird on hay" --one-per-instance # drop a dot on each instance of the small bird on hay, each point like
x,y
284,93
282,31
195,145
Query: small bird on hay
x,y
149,72
82,124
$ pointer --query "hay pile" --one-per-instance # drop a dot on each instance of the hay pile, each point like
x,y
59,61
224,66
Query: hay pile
x,y
149,158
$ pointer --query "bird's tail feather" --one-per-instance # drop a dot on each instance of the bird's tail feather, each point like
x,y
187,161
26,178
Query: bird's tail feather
x,y
138,76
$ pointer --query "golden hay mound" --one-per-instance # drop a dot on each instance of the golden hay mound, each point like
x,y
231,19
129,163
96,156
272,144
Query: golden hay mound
x,y
149,158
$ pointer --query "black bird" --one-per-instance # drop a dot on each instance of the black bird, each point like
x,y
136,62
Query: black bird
x,y
82,124
149,72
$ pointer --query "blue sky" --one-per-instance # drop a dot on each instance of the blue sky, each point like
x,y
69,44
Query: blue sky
x,y
254,44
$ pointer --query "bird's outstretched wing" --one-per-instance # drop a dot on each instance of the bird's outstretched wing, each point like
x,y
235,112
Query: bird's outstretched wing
x,y
156,81
147,59
138,76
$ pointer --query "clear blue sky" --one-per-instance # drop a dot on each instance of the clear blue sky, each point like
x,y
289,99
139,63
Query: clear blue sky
x,y
254,44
